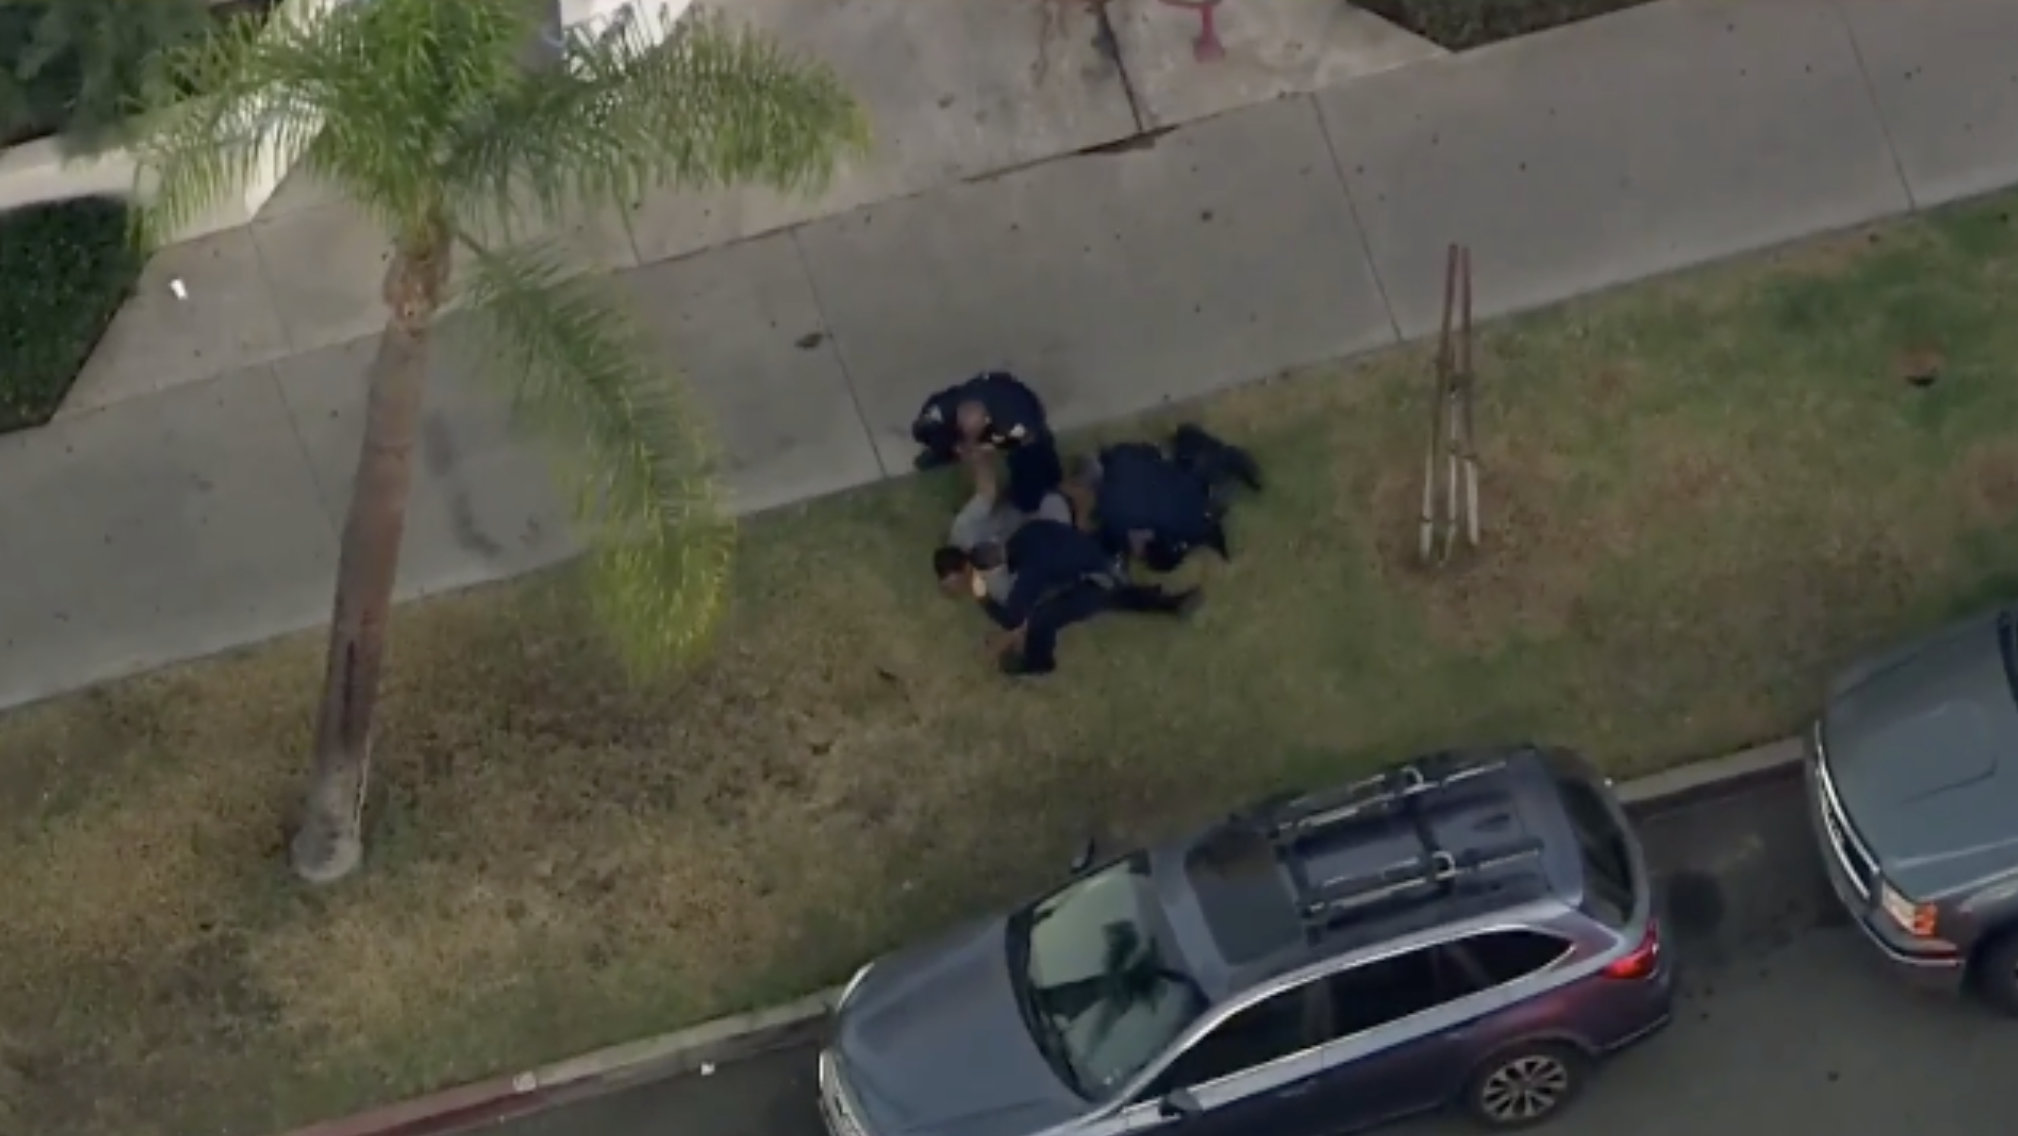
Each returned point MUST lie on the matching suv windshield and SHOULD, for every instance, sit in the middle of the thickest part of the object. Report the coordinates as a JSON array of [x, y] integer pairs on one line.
[[1101, 994]]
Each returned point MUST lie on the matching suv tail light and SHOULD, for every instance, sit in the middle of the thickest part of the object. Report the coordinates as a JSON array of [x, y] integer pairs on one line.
[[1643, 961]]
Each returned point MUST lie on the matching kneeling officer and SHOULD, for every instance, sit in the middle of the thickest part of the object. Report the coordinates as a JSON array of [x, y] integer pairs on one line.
[[992, 411], [1056, 576], [1159, 508]]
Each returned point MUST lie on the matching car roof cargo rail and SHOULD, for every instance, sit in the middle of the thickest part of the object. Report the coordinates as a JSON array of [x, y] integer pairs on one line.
[[1433, 875], [1378, 796]]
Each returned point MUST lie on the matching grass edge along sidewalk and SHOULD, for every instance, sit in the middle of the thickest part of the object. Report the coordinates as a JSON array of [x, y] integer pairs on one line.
[[739, 1037]]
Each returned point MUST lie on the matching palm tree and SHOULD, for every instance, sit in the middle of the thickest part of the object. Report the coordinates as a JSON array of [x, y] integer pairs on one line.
[[69, 67], [447, 125]]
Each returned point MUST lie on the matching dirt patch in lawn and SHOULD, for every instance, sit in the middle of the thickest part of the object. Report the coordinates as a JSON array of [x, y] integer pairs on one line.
[[1530, 571], [1700, 496], [1989, 476]]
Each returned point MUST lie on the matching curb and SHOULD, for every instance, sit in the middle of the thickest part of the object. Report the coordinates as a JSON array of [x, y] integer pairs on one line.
[[498, 1099], [743, 1036], [1700, 781]]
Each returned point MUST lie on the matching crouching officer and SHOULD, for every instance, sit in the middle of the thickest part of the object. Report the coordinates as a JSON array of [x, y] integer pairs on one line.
[[1054, 576], [1159, 508], [993, 411]]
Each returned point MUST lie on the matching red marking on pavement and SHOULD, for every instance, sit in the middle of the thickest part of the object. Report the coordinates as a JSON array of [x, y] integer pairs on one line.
[[1207, 48]]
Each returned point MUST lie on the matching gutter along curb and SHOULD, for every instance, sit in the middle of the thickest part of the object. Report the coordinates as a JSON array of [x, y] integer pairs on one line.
[[483, 1103]]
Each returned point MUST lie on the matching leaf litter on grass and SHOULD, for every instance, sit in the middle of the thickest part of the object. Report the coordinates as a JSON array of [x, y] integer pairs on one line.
[[1700, 494]]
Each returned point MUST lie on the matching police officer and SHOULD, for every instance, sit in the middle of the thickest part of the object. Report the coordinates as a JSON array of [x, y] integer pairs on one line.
[[1159, 508], [1055, 575], [1145, 507], [993, 411], [1217, 463]]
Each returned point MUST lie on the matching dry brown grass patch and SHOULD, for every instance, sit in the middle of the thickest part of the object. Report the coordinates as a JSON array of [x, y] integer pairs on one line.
[[1989, 480], [1530, 571]]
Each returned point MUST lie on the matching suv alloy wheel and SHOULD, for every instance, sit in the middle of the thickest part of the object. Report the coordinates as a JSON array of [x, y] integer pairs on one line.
[[1525, 1085]]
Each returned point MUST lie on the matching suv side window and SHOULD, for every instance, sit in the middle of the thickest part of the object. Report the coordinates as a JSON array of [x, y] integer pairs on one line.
[[1387, 990], [1286, 1023], [1499, 957]]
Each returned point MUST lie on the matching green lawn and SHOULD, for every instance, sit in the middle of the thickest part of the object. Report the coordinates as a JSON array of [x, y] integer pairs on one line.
[[1700, 494]]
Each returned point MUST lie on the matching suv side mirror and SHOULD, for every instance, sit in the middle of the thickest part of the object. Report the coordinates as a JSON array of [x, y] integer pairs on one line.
[[1180, 1105], [1083, 859]]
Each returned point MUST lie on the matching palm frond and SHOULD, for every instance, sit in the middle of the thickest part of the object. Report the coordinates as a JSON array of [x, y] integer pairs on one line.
[[251, 113], [626, 440], [368, 96], [397, 81], [706, 103]]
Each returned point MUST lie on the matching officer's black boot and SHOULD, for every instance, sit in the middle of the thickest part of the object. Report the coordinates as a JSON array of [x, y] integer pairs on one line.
[[1212, 460], [1164, 556], [1216, 541], [1244, 467]]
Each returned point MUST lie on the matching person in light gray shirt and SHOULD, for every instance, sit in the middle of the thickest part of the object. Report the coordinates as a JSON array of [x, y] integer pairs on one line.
[[988, 519]]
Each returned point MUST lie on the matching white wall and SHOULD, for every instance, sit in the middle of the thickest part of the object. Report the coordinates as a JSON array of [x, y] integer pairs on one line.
[[596, 14], [38, 171]]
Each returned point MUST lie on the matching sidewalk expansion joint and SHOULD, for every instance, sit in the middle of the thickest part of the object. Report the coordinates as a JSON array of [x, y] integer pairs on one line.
[[1877, 107], [1128, 144], [1108, 44]]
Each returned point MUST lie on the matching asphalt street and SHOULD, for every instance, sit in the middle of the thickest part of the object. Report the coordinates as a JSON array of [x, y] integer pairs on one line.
[[1786, 1022]]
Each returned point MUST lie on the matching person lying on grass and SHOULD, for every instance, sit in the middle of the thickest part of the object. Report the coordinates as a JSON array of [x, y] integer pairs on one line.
[[1056, 575], [989, 519]]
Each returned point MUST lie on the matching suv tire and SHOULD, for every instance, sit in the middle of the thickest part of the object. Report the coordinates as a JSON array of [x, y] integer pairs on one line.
[[1993, 973], [1525, 1084]]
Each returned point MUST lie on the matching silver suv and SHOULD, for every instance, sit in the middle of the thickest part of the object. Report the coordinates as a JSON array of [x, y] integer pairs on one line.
[[1467, 928]]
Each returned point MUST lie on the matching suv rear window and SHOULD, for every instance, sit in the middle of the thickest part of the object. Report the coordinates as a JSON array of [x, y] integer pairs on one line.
[[1608, 866]]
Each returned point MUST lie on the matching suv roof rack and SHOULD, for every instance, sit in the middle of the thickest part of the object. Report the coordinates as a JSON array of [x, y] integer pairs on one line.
[[1402, 791], [1381, 795], [1434, 874]]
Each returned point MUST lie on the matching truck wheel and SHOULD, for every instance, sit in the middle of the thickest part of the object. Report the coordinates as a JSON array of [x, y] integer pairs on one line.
[[1994, 973], [1525, 1084]]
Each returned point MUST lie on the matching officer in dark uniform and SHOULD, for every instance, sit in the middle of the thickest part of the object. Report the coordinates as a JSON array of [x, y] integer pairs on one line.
[[1145, 507], [1061, 576], [1218, 463], [993, 411], [1159, 508]]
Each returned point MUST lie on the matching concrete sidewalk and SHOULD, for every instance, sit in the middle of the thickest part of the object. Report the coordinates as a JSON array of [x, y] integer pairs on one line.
[[200, 516]]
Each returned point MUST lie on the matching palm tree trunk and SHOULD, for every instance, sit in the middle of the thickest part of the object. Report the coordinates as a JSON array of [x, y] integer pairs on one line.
[[330, 842]]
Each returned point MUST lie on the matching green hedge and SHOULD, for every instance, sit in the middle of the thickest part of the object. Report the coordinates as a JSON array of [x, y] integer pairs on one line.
[[65, 267], [73, 68], [1460, 25]]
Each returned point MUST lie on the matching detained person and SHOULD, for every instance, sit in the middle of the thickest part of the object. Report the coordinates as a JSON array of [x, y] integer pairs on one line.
[[1050, 575]]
